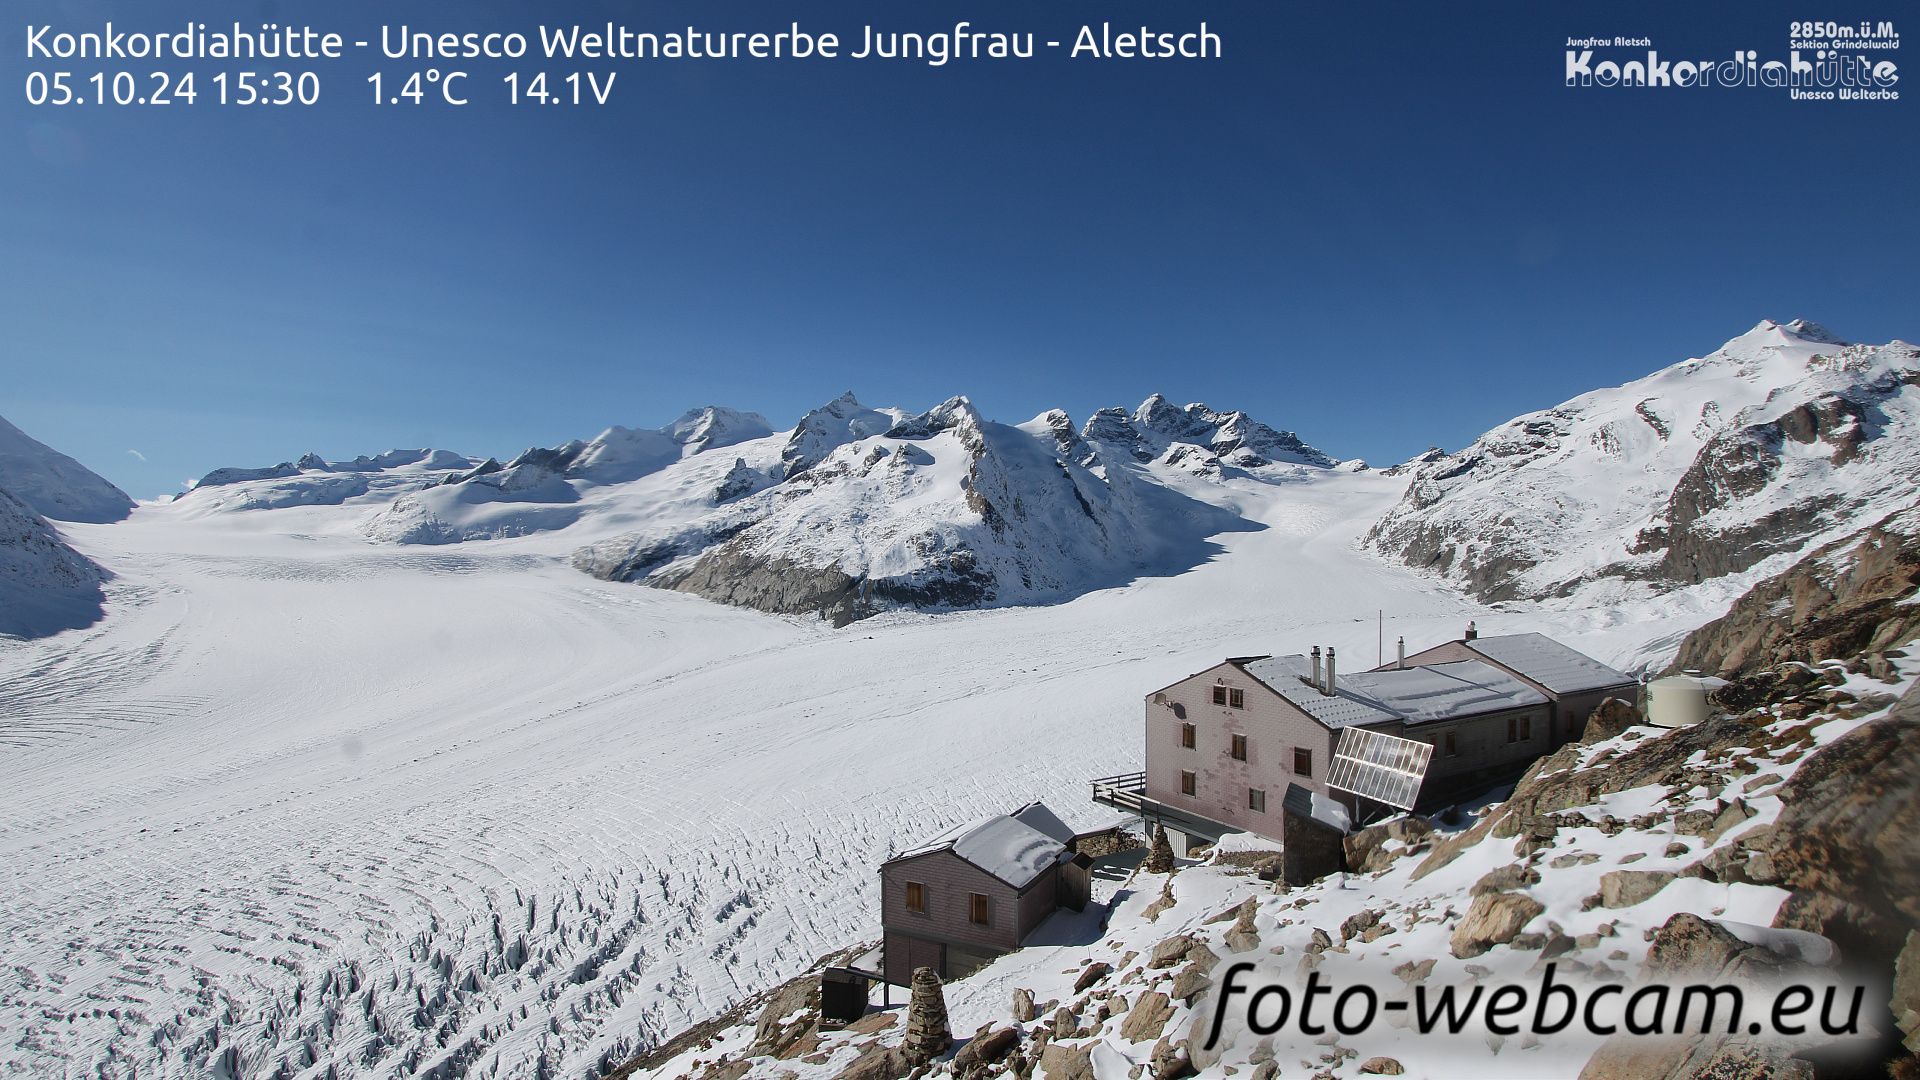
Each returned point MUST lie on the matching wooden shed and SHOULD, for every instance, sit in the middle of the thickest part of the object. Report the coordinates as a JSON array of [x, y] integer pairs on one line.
[[976, 892]]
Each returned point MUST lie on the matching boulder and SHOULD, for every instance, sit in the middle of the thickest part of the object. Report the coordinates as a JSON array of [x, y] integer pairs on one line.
[[1067, 1062], [877, 1062], [1091, 974], [1382, 1066], [1147, 1018], [1171, 951], [1506, 879], [1610, 720], [1625, 888], [1023, 1005], [1493, 919], [1191, 980], [984, 1050]]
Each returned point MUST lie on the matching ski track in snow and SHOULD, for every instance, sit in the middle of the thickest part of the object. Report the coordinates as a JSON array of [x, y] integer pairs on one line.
[[304, 806]]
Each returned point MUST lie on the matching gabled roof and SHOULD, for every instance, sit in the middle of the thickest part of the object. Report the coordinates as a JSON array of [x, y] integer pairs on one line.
[[1414, 695], [1015, 848], [1549, 663]]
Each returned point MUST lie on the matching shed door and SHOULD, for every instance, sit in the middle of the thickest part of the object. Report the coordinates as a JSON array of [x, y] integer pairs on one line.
[[922, 953]]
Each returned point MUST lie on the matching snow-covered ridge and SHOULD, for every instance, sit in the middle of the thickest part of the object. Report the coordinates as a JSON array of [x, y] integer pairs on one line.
[[53, 484], [1773, 442]]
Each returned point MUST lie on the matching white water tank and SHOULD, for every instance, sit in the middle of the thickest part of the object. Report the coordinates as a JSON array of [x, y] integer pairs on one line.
[[1681, 700]]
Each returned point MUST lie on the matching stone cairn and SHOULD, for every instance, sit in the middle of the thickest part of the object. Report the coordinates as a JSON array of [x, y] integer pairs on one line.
[[1160, 855], [927, 1034]]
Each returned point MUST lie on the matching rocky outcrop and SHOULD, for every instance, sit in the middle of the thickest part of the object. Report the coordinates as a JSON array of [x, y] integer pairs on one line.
[[1851, 597]]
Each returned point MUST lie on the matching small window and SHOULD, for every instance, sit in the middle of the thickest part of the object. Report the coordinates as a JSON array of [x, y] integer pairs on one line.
[[1219, 694], [1239, 747], [1526, 728], [981, 910], [1189, 736], [1236, 698], [1452, 746], [1256, 800], [916, 897], [1189, 783], [1302, 762], [1513, 729]]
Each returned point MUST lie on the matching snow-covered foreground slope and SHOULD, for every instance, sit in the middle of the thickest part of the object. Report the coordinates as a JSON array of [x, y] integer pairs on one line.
[[1782, 439], [45, 585], [304, 803]]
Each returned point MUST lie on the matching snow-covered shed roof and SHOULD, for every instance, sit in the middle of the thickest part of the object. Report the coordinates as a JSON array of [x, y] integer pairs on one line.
[[1415, 695], [1549, 663], [1321, 808], [1037, 816], [1008, 846]]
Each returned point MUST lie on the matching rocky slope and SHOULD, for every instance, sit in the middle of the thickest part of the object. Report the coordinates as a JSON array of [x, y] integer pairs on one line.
[[1780, 439], [1735, 851], [45, 585], [53, 484], [1855, 596]]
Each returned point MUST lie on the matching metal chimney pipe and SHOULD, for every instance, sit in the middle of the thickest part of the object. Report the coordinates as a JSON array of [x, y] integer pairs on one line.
[[1316, 667], [1472, 631], [1330, 682], [1401, 654]]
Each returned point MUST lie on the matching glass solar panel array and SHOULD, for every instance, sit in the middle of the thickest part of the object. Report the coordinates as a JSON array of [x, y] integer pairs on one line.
[[1384, 768]]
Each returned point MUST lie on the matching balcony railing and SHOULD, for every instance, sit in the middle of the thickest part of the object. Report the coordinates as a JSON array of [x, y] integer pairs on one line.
[[1125, 792]]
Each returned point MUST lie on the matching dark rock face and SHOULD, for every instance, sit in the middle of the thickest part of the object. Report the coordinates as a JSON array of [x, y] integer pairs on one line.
[[1844, 599]]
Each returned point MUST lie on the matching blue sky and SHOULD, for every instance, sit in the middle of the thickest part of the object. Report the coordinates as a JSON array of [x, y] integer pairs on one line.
[[1382, 225]]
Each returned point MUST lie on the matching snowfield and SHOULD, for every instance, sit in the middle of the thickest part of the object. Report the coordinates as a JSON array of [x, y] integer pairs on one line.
[[304, 804]]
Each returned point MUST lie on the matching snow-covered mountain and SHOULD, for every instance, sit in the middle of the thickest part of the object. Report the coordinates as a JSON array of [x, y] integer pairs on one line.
[[1158, 428], [1782, 438], [55, 485], [938, 510], [45, 585]]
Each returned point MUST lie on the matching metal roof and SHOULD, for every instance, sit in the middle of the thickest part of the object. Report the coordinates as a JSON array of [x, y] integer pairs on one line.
[[1415, 695], [1549, 663], [1008, 847]]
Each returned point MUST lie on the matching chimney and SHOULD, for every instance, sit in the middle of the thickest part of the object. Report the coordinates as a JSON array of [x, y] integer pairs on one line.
[[1330, 683], [1400, 651], [1316, 667], [1472, 632]]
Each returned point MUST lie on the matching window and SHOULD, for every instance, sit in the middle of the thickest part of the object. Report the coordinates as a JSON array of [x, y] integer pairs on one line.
[[1256, 800], [1519, 728], [1189, 783], [1526, 728], [1231, 697], [916, 897], [1302, 761], [1219, 694], [1452, 747], [1239, 747], [981, 910], [1189, 737]]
